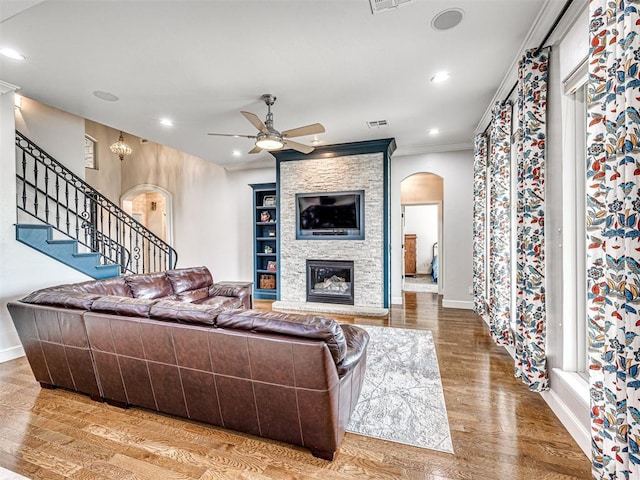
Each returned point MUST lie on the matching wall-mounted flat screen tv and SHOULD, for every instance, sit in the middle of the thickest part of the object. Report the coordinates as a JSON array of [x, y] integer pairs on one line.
[[336, 215]]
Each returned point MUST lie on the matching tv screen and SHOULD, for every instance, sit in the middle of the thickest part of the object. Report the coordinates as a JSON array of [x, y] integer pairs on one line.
[[336, 214]]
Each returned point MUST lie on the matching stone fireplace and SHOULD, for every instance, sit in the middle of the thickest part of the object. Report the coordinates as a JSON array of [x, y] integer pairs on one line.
[[330, 281], [363, 287]]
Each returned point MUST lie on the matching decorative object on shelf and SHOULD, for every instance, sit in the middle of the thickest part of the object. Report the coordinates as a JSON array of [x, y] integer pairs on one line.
[[269, 201], [120, 148], [268, 249], [271, 266], [271, 233], [265, 216], [267, 282]]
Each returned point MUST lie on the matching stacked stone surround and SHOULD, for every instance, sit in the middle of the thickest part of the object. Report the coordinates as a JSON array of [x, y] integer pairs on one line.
[[346, 173]]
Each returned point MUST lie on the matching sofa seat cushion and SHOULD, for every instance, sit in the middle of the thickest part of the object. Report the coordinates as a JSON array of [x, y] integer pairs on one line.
[[185, 279], [357, 340], [62, 298], [295, 325], [176, 310], [221, 303], [149, 285], [128, 306]]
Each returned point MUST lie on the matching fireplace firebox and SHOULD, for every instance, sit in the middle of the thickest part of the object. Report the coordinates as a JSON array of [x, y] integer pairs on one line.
[[330, 281]]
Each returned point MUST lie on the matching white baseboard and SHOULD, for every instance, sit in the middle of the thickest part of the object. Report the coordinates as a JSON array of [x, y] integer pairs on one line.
[[457, 304], [568, 395], [396, 300], [11, 353]]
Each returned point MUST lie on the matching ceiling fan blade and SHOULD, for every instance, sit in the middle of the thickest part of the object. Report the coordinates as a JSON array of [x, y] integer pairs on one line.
[[255, 150], [302, 131], [298, 146], [231, 135], [255, 121]]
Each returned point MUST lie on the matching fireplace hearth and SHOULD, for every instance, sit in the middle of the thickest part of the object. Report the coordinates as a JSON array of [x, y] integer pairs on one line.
[[330, 281]]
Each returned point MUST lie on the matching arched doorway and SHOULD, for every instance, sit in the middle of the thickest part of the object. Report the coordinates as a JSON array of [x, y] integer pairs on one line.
[[152, 206], [421, 198]]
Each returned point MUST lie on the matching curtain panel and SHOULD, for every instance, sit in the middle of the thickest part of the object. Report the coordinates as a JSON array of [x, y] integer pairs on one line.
[[530, 138], [613, 238], [479, 223], [500, 224]]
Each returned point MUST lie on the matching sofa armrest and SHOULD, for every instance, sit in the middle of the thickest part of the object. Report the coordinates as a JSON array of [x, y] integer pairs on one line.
[[357, 340], [223, 289]]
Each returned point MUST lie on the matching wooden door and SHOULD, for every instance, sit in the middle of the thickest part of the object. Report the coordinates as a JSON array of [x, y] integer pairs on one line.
[[409, 255]]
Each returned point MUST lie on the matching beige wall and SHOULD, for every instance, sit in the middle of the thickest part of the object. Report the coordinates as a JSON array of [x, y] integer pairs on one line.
[[421, 188], [106, 179]]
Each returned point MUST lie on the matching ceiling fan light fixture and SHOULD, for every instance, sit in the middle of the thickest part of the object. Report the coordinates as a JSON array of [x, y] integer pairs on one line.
[[269, 142]]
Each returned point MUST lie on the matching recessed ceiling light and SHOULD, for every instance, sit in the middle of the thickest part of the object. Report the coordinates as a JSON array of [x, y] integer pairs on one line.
[[166, 122], [434, 131], [440, 77], [11, 53], [236, 153], [106, 96], [447, 19]]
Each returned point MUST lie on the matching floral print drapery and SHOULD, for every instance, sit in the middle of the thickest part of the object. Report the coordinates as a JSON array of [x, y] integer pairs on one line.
[[530, 333], [613, 238], [500, 224], [479, 222]]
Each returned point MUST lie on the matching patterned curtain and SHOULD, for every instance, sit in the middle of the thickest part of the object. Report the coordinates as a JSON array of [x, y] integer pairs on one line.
[[530, 345], [613, 238], [500, 224], [479, 222]]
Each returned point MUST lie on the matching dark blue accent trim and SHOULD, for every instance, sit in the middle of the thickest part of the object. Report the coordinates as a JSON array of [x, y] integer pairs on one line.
[[386, 146]]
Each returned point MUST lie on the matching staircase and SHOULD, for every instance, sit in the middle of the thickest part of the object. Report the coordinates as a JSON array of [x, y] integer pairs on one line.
[[40, 237], [66, 206]]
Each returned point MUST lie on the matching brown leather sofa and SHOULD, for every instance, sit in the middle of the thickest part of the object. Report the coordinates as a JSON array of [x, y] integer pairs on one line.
[[178, 343]]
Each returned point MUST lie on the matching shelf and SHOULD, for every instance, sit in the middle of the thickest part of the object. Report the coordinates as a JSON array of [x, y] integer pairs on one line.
[[266, 290], [265, 223], [273, 272], [260, 254], [273, 207], [266, 238], [262, 239]]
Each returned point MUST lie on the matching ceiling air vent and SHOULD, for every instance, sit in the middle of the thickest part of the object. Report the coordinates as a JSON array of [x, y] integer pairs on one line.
[[377, 124], [378, 6]]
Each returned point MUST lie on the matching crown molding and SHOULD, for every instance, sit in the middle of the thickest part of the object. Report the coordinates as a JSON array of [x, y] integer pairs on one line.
[[541, 26], [421, 149], [7, 87]]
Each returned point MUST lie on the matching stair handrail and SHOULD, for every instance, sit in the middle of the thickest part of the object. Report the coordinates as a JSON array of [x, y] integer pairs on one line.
[[99, 200]]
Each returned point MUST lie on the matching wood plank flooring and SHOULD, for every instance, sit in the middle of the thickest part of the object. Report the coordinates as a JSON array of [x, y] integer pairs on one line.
[[499, 429]]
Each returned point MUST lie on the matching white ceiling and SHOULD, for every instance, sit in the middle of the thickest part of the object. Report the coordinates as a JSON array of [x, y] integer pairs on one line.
[[330, 61]]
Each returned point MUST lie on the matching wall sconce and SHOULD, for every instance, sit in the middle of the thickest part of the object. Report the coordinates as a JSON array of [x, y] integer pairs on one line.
[[154, 205], [17, 101]]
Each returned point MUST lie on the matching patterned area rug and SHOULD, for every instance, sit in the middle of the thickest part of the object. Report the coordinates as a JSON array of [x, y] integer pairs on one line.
[[9, 475], [402, 399]]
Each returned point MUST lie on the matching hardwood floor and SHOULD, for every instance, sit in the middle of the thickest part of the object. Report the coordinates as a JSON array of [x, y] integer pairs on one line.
[[500, 430]]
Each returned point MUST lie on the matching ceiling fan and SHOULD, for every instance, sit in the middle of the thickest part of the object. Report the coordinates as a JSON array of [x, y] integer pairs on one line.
[[268, 138]]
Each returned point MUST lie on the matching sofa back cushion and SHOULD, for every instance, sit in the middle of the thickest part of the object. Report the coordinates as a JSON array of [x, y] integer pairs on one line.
[[186, 279], [110, 286], [186, 312], [149, 285], [62, 298], [127, 306], [295, 325]]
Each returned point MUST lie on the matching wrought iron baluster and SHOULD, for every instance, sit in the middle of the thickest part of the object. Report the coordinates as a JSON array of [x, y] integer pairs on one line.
[[46, 193], [24, 179], [137, 253], [35, 182], [57, 201], [66, 203]]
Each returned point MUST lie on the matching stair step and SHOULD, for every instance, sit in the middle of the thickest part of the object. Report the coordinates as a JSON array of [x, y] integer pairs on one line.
[[39, 237]]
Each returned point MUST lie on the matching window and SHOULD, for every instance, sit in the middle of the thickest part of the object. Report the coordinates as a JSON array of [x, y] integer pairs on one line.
[[90, 151], [582, 358], [575, 352]]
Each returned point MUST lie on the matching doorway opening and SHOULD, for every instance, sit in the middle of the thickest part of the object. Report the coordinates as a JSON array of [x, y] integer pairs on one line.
[[421, 203], [152, 206]]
